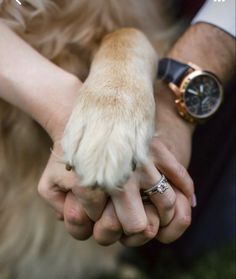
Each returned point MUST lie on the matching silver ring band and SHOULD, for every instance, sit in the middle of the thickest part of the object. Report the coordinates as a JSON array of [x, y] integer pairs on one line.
[[160, 187]]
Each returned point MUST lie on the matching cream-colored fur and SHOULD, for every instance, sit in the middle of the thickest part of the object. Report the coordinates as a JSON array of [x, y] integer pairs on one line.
[[113, 121], [33, 245]]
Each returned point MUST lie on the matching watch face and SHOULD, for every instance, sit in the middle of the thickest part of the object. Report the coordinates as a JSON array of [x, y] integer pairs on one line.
[[202, 95]]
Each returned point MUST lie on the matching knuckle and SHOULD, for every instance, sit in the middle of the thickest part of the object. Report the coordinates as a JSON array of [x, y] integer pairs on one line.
[[135, 228], [111, 225], [184, 222], [73, 217], [150, 232], [42, 190], [167, 204], [172, 198], [170, 201]]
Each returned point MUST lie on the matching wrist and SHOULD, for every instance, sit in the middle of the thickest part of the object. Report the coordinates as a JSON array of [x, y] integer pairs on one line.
[[34, 84], [172, 129], [60, 106], [167, 111], [193, 47]]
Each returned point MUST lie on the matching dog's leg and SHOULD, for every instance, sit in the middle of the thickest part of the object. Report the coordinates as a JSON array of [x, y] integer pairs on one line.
[[113, 121]]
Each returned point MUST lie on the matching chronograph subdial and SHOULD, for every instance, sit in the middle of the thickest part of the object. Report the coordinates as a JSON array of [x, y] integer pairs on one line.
[[202, 96]]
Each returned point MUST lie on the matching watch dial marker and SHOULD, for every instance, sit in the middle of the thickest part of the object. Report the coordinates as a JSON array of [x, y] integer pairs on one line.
[[192, 91], [201, 88]]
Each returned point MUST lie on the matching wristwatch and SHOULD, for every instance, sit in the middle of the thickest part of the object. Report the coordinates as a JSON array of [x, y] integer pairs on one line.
[[198, 93]]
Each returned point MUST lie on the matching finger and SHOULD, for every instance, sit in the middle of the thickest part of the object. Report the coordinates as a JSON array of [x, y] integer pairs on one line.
[[76, 220], [149, 233], [164, 202], [129, 207], [52, 194], [180, 222], [93, 200], [107, 230], [54, 183], [173, 170]]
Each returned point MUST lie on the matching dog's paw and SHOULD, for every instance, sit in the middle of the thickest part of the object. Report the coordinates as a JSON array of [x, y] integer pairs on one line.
[[111, 126], [107, 134]]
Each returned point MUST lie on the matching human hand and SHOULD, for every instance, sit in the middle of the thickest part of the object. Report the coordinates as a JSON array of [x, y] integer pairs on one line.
[[47, 93], [133, 222], [128, 219], [182, 183], [76, 205], [171, 154], [171, 150]]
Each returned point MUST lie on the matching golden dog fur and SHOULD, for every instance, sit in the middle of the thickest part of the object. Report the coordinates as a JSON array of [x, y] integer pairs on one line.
[[32, 243]]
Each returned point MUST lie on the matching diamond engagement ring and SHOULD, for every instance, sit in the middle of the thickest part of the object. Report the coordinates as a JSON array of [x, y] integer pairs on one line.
[[160, 187]]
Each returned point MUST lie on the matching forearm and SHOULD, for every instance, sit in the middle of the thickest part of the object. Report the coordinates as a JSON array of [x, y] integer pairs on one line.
[[209, 47], [30, 81], [212, 50]]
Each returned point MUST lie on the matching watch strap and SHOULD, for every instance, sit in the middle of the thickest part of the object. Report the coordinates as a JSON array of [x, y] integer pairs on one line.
[[171, 70]]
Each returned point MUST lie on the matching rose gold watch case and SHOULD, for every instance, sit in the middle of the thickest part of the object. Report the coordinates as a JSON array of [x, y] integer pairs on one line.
[[180, 91]]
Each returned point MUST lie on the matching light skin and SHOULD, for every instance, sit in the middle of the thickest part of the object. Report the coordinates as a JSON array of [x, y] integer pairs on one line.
[[50, 101], [173, 147], [171, 153]]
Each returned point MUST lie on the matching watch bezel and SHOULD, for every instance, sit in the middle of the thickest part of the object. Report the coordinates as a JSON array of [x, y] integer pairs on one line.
[[184, 85]]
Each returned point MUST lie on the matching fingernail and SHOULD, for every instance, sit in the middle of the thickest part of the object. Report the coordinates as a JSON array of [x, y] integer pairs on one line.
[[193, 200]]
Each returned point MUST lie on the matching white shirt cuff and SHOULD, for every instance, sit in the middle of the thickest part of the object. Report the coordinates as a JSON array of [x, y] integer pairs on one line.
[[220, 13]]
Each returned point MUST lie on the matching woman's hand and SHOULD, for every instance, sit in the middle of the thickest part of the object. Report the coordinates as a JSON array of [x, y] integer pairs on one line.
[[47, 93], [165, 217], [169, 214], [77, 206]]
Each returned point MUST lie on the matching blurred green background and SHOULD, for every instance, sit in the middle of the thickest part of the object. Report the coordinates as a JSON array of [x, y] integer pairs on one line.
[[220, 264], [215, 265]]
